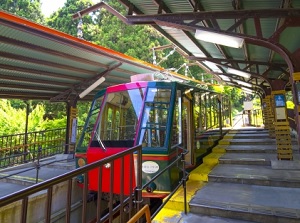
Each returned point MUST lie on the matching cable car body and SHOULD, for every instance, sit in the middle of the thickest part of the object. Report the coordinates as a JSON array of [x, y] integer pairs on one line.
[[162, 116]]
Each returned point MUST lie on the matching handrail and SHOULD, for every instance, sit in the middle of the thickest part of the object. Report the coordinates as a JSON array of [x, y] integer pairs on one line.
[[14, 149], [144, 211], [23, 195], [182, 182]]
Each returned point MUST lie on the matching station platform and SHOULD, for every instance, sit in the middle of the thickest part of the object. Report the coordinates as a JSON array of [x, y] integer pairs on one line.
[[240, 181], [19, 177]]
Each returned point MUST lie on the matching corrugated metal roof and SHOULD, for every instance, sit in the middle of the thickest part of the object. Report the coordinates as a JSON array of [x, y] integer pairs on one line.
[[37, 62], [270, 28]]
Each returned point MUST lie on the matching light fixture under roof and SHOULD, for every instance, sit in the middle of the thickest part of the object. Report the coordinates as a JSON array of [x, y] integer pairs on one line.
[[243, 83], [238, 72], [247, 90], [218, 38], [92, 87], [224, 78]]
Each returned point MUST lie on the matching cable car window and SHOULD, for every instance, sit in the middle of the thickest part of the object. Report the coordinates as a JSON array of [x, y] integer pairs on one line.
[[90, 122], [155, 117], [119, 116]]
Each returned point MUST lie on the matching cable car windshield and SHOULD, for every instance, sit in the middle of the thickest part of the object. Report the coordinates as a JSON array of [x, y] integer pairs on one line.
[[155, 117], [119, 115]]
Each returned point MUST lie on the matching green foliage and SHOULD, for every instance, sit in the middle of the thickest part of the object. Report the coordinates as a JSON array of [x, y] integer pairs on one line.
[[218, 88], [12, 120], [30, 9], [62, 19], [236, 97]]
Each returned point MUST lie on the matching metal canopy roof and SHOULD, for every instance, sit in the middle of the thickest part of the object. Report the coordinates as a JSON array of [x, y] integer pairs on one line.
[[270, 30], [37, 62]]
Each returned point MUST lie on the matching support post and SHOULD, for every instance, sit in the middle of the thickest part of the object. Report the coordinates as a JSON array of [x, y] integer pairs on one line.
[[282, 127], [71, 129], [25, 149]]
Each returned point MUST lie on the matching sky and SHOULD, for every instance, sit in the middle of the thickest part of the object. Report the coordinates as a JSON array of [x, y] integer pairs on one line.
[[49, 6]]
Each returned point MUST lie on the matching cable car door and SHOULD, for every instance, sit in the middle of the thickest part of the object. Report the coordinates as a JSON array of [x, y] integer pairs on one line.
[[188, 129]]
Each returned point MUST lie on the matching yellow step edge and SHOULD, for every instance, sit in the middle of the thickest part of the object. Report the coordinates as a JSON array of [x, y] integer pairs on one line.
[[175, 206], [201, 172], [212, 159], [219, 149], [228, 136], [174, 209], [224, 142]]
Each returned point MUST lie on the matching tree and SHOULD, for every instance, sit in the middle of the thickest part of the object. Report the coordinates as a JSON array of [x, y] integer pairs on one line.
[[105, 29], [62, 19], [30, 9]]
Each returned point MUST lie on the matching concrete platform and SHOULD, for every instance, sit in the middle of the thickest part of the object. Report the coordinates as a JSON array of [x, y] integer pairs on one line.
[[18, 177], [8, 188], [248, 202]]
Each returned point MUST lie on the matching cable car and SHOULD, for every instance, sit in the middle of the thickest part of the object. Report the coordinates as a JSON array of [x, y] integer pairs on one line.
[[162, 116]]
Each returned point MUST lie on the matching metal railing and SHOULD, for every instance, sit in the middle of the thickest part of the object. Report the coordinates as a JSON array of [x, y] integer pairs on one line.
[[125, 208], [179, 159], [144, 211], [22, 148]]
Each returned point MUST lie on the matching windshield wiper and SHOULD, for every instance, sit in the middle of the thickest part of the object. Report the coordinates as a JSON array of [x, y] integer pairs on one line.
[[99, 140]]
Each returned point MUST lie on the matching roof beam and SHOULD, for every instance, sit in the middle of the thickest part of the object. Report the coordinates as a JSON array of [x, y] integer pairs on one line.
[[72, 93], [211, 15], [226, 61]]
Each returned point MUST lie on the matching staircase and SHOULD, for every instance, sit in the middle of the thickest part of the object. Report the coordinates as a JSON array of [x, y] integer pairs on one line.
[[249, 184]]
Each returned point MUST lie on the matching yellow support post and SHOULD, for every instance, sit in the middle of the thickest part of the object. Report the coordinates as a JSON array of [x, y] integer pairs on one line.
[[282, 127], [269, 115]]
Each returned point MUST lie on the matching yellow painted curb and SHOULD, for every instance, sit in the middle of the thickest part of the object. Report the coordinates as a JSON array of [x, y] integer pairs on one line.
[[201, 172], [219, 149], [212, 159], [177, 200], [175, 206], [167, 216], [224, 142], [17, 177], [229, 136]]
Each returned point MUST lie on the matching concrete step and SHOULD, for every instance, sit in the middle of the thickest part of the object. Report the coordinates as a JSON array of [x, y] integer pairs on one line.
[[247, 158], [247, 202], [197, 218], [266, 159], [258, 148], [249, 130], [257, 175], [247, 135], [249, 141]]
